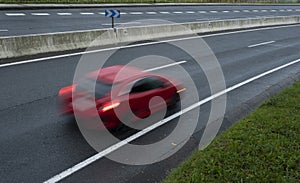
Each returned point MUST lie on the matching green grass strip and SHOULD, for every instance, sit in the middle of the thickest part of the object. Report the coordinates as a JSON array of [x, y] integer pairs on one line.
[[263, 147]]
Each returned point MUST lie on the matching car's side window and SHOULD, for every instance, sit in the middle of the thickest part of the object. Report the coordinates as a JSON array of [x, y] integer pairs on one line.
[[146, 84]]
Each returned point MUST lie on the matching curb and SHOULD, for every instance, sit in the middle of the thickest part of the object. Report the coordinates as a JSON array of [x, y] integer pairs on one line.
[[18, 46]]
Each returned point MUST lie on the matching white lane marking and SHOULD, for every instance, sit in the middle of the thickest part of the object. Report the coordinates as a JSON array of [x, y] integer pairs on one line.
[[236, 11], [226, 11], [86, 13], [126, 23], [164, 12], [297, 9], [101, 13], [164, 66], [123, 13], [264, 10], [142, 44], [246, 11], [3, 30], [213, 11], [273, 10], [260, 44], [177, 12], [289, 10], [254, 10], [40, 14], [135, 13], [15, 14], [281, 10], [202, 11], [64, 14], [120, 144], [189, 12], [151, 13]]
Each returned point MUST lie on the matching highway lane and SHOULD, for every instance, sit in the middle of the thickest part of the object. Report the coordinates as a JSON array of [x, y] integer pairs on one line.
[[37, 143], [20, 22]]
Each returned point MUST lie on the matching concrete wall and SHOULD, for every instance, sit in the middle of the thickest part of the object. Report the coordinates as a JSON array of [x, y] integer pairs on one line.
[[17, 46]]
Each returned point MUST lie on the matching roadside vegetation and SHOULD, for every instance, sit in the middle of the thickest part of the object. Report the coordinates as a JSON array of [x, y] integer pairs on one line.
[[140, 1], [263, 147]]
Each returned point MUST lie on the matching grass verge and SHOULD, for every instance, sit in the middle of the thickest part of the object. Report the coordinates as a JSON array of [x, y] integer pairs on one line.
[[263, 147]]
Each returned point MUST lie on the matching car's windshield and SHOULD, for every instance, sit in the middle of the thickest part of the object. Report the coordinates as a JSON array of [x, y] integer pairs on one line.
[[101, 88]]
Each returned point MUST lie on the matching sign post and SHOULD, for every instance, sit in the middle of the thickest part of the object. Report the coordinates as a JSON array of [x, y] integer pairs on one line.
[[113, 14]]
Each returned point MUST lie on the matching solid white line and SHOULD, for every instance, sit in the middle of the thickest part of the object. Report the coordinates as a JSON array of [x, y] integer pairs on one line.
[[120, 144], [64, 14], [164, 66], [40, 14], [86, 13], [126, 23], [142, 44], [135, 13], [15, 14], [260, 44]]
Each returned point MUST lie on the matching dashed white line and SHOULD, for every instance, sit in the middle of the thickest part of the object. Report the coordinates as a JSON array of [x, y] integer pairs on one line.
[[281, 10], [136, 13], [189, 12], [236, 11], [123, 13], [151, 13], [64, 14], [273, 10], [137, 135], [101, 13], [164, 12], [164, 66], [3, 30], [86, 13], [202, 11], [246, 11], [225, 11], [15, 14], [177, 12], [254, 10], [260, 44], [297, 10], [213, 11], [40, 14], [264, 10], [289, 10]]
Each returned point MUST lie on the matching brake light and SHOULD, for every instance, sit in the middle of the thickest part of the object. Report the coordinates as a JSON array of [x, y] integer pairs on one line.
[[67, 89], [110, 105]]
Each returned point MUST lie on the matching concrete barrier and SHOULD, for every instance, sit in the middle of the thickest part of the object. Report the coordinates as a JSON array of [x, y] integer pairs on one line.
[[16, 46]]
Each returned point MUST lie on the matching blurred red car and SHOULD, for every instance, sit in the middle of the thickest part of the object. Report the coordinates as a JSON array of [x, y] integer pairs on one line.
[[131, 85]]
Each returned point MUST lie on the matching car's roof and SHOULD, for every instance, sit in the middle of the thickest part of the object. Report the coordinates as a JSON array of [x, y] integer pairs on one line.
[[116, 73]]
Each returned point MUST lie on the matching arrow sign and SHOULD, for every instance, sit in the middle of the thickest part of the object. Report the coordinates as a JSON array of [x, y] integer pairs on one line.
[[113, 13]]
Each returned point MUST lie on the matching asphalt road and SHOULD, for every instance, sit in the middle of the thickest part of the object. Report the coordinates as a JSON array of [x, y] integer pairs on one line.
[[22, 22], [37, 143]]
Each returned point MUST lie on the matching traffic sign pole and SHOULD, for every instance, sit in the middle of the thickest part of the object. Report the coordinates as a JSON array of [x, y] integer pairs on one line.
[[112, 22]]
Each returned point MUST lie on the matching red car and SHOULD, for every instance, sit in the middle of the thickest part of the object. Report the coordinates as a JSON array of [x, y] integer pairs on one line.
[[132, 86]]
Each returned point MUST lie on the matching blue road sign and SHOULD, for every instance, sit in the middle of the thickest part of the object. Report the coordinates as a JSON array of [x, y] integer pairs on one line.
[[113, 13]]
